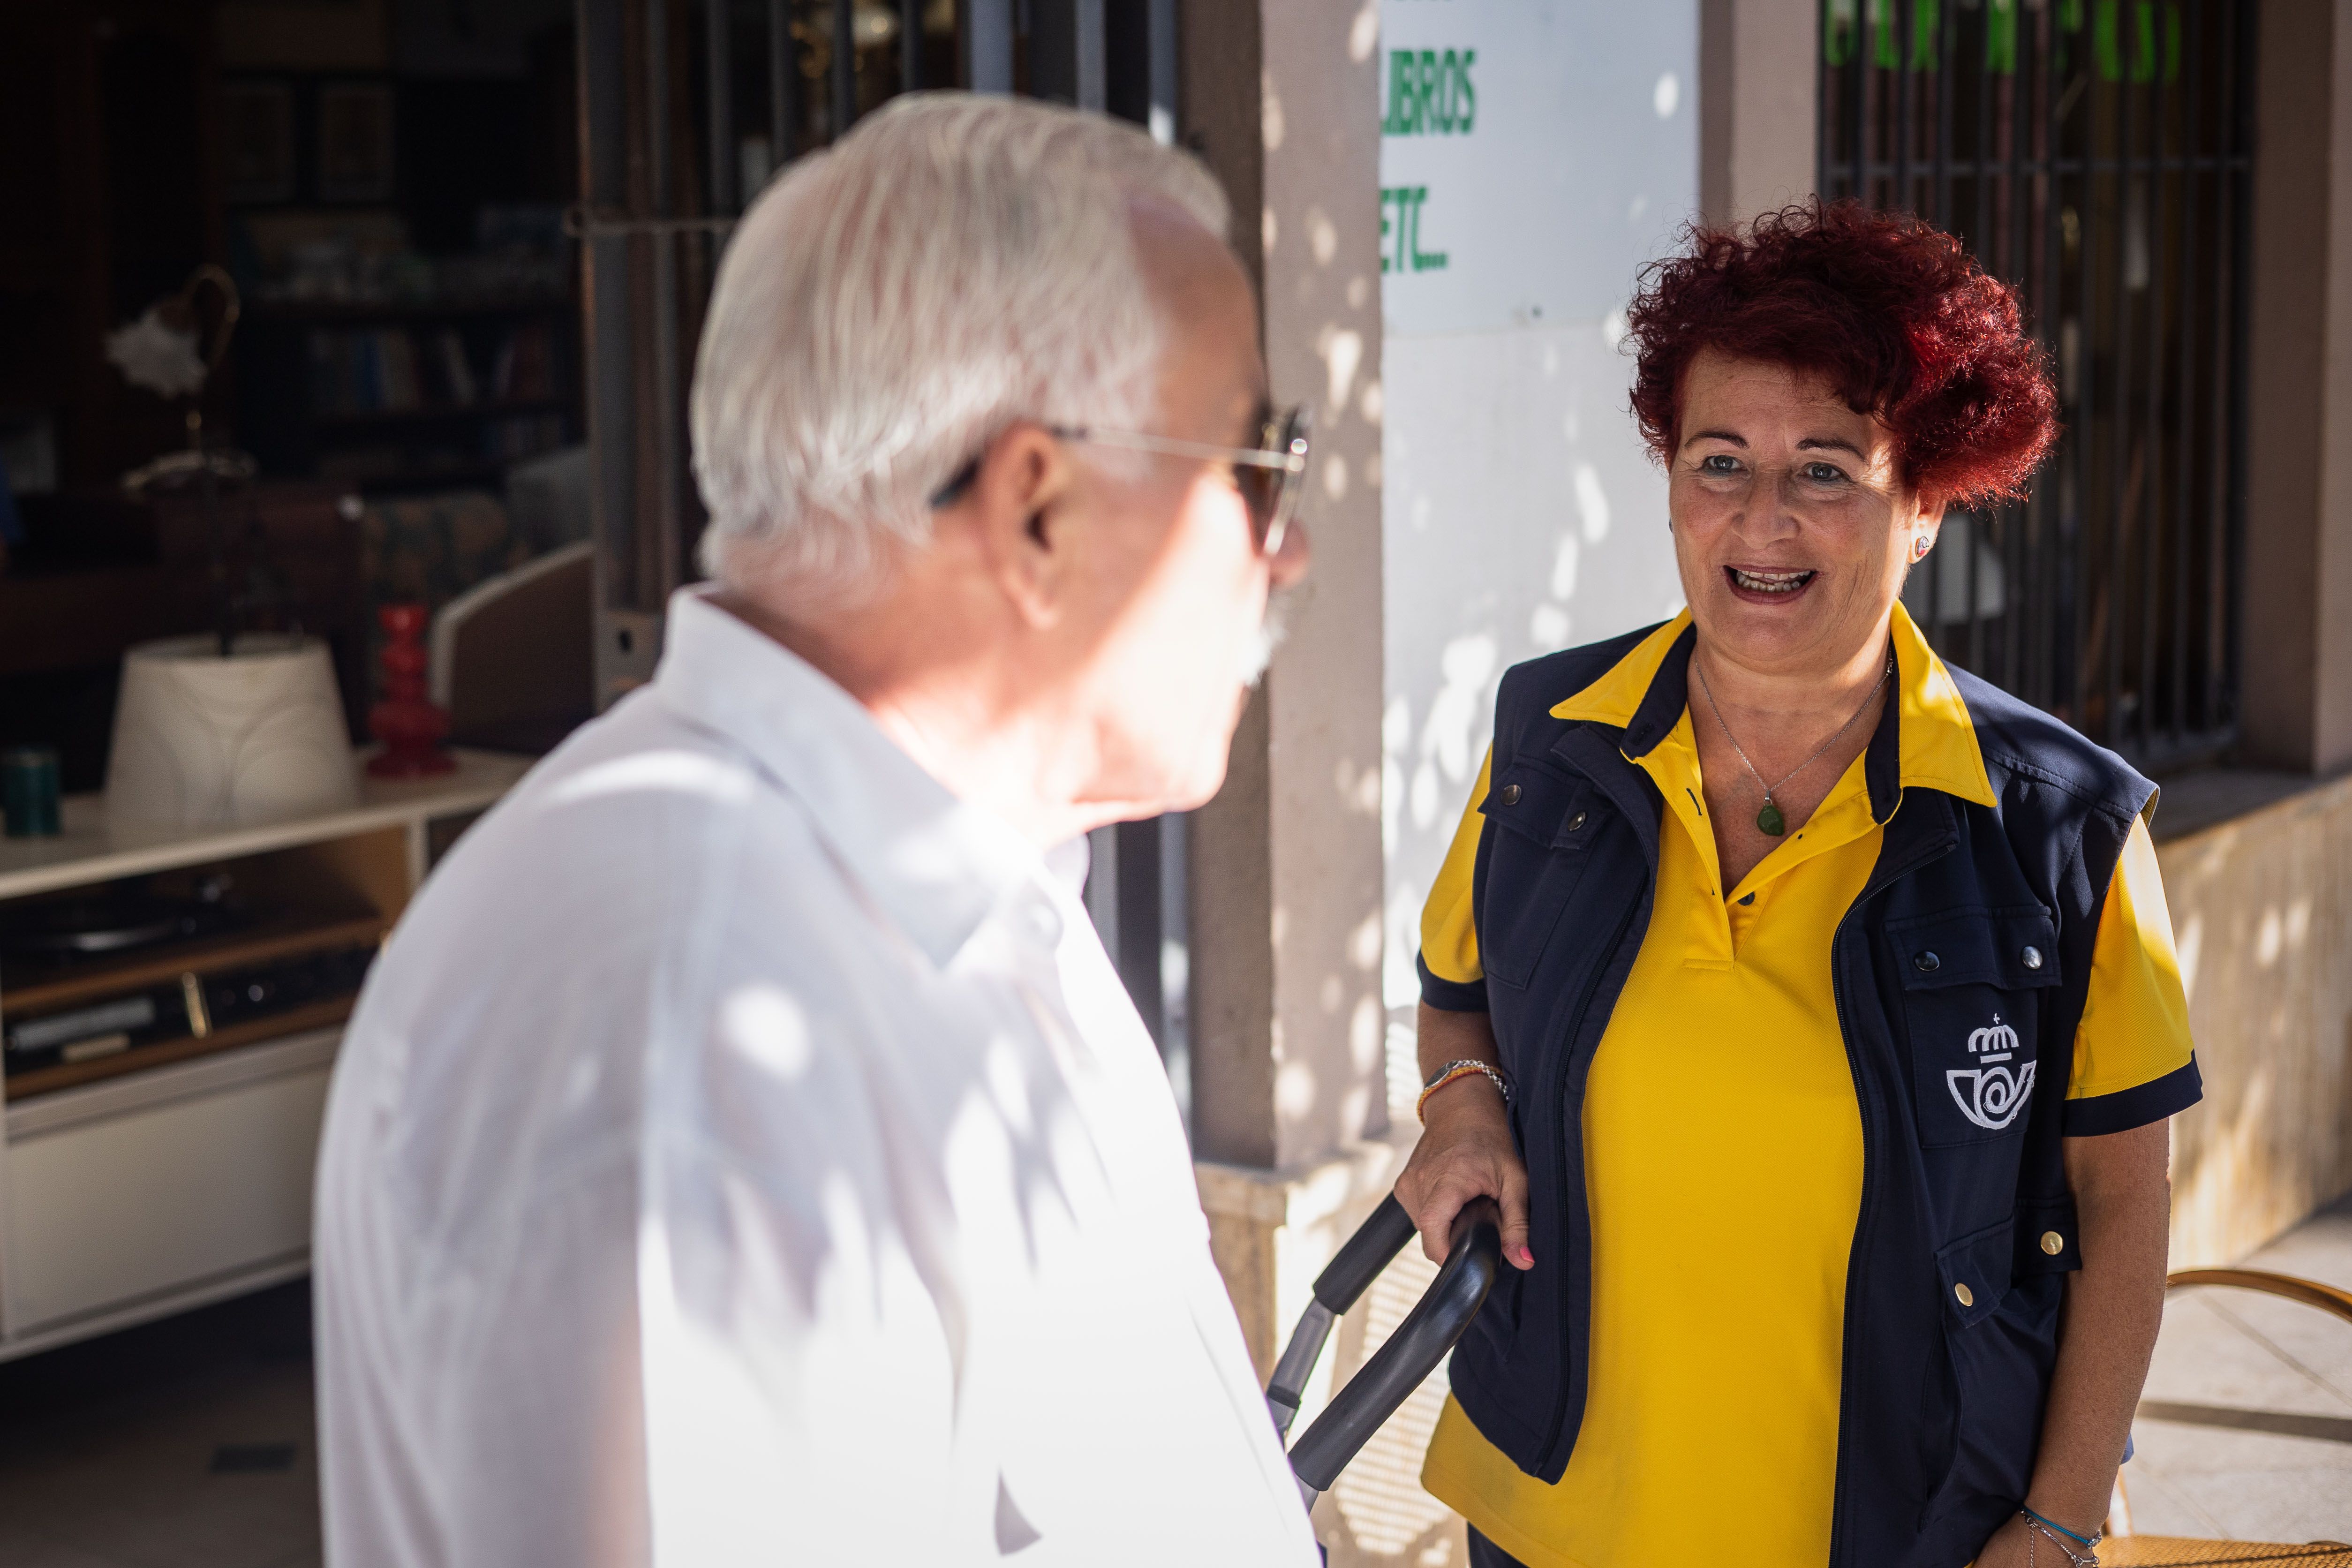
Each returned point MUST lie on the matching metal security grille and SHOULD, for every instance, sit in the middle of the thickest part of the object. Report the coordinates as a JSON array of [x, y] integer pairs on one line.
[[2095, 154]]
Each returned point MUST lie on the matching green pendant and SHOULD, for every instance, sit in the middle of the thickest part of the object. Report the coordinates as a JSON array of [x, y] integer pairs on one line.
[[1770, 820]]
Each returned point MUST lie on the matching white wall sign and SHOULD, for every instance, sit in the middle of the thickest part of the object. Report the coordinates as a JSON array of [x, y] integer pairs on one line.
[[1534, 154]]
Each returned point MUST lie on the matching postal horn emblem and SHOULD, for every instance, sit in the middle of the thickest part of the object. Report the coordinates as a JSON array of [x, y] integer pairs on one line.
[[1990, 1093]]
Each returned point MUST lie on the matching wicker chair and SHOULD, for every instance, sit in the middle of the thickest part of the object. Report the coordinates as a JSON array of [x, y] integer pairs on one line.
[[2125, 1550]]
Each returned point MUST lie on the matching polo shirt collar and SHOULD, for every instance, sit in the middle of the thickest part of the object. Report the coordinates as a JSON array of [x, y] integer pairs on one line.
[[1925, 738], [938, 867]]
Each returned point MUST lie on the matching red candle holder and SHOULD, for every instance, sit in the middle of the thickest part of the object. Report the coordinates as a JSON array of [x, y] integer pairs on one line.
[[410, 724]]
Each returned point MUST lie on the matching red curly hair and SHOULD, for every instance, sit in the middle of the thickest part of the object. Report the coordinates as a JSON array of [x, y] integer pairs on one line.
[[1903, 322]]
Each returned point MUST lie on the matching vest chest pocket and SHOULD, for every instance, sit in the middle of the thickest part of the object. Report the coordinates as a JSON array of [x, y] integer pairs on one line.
[[1543, 821], [1973, 983]]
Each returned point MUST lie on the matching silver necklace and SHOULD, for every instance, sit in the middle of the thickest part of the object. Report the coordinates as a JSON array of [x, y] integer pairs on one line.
[[1770, 820]]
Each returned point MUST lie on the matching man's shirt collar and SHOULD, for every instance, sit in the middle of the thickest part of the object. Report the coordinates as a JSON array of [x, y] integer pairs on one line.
[[937, 866], [1925, 739]]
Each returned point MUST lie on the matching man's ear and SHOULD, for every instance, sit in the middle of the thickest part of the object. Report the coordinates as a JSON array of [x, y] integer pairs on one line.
[[1014, 509]]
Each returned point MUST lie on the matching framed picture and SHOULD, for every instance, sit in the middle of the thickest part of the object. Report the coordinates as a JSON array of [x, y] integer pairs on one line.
[[258, 141], [356, 141]]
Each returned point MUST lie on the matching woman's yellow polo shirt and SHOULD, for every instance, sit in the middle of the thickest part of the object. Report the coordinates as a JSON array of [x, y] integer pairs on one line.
[[1723, 1158]]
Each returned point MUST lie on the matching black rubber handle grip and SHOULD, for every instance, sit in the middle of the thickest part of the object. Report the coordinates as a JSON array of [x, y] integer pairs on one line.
[[1385, 1382], [1375, 1244]]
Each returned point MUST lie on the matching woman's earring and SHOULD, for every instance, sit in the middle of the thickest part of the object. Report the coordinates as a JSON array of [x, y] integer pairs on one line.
[[1919, 548]]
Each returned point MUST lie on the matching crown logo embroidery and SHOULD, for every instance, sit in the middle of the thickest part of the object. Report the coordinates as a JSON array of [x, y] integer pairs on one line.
[[1989, 1094]]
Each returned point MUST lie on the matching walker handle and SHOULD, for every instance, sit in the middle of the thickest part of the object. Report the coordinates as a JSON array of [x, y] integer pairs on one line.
[[1473, 1263]]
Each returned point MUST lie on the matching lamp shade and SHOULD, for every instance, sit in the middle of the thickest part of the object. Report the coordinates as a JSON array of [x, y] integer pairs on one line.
[[201, 740]]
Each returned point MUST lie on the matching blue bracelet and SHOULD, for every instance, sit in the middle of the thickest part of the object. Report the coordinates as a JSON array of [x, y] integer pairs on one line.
[[2054, 1524]]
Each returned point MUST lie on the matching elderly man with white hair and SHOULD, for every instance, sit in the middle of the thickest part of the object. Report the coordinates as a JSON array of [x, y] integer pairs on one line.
[[745, 1151]]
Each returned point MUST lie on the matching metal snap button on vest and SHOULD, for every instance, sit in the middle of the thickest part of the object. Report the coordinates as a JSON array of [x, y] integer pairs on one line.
[[1928, 962], [2031, 958], [1509, 794], [1967, 1297], [1576, 822], [2053, 1243]]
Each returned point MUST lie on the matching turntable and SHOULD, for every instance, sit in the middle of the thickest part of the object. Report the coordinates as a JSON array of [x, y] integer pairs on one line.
[[118, 918]]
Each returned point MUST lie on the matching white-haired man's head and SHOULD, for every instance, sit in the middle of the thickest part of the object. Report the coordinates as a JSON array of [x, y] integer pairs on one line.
[[955, 263], [971, 419]]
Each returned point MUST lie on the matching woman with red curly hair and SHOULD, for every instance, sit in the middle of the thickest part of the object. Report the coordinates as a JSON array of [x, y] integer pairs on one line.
[[1807, 1006]]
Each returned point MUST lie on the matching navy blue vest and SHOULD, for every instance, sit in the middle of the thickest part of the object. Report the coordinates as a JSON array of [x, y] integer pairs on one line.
[[1941, 1401]]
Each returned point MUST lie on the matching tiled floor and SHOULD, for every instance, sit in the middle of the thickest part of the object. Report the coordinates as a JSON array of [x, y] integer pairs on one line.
[[184, 1443], [188, 1444], [2246, 1430]]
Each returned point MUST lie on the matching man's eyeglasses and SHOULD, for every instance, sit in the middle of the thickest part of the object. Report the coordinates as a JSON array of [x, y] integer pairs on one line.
[[1271, 476]]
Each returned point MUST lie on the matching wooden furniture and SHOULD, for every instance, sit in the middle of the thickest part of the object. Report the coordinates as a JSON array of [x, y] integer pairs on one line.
[[178, 1172], [2125, 1550]]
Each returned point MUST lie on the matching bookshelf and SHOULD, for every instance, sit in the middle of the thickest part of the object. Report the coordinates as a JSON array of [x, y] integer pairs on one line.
[[389, 396]]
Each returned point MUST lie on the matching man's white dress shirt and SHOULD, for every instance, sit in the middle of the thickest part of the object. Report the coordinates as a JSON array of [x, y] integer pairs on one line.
[[744, 1152]]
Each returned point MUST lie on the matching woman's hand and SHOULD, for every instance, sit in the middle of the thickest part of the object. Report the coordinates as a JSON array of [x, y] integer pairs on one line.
[[1466, 1150]]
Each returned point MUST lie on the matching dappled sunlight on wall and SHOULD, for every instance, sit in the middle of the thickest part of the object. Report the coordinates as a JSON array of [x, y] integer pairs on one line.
[[2262, 910]]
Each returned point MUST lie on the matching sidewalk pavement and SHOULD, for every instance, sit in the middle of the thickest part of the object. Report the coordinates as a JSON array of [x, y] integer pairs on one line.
[[2245, 1429]]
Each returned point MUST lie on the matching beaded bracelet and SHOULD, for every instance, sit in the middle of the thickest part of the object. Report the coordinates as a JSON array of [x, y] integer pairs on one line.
[[2059, 1535], [1453, 1070]]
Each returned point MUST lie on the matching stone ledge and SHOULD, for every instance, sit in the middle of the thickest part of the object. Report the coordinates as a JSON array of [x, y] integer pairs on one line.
[[1306, 1195], [2198, 802]]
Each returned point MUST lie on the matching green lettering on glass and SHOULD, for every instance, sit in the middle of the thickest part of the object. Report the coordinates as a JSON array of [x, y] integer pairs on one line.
[[2105, 24], [2171, 43], [1923, 28], [1882, 26], [2069, 15], [1431, 93], [2000, 37], [1405, 255], [1423, 260], [1837, 32]]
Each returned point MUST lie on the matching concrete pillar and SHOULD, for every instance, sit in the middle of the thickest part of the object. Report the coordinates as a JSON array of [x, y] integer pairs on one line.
[[1759, 91], [1289, 1097], [1283, 101], [2296, 676]]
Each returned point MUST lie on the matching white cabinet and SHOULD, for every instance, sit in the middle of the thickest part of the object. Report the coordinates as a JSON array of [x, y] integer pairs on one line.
[[180, 1173]]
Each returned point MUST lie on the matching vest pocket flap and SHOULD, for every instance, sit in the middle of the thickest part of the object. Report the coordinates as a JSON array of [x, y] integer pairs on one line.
[[1975, 1271], [2048, 1241], [1553, 811], [2013, 949]]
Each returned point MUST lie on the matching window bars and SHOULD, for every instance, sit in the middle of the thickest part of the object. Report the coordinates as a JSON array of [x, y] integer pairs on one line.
[[2095, 154]]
